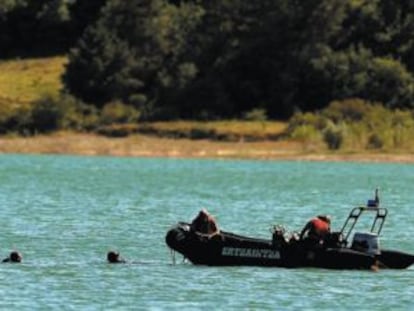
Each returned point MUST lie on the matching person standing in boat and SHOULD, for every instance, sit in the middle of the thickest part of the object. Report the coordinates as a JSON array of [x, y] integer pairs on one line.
[[205, 224], [317, 228]]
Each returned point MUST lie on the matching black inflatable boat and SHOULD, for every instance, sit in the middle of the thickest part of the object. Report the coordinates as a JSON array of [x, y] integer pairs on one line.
[[334, 252]]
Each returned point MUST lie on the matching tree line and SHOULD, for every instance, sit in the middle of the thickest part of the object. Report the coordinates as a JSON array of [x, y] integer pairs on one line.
[[214, 59]]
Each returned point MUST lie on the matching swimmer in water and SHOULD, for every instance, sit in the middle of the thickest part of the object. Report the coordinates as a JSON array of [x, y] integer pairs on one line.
[[114, 257], [14, 256]]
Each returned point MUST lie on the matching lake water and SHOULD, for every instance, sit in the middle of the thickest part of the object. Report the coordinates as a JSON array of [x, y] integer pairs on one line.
[[63, 213]]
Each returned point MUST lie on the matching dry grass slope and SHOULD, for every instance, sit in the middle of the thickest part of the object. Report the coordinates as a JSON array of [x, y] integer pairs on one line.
[[27, 80], [147, 146], [257, 129]]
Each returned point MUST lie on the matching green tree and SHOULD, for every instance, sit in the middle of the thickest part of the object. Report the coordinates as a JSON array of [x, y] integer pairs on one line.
[[206, 49], [256, 54], [30, 28], [223, 58], [84, 13], [358, 73], [132, 53], [99, 68], [383, 26], [8, 5]]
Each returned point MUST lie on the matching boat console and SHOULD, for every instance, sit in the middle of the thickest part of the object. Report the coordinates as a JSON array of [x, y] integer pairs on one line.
[[366, 242]]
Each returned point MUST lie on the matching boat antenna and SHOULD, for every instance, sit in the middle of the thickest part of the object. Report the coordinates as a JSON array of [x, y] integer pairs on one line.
[[376, 197]]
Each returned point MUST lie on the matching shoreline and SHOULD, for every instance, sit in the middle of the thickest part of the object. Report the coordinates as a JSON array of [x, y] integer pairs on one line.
[[68, 143]]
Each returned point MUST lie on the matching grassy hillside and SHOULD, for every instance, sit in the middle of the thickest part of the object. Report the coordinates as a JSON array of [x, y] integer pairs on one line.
[[28, 80]]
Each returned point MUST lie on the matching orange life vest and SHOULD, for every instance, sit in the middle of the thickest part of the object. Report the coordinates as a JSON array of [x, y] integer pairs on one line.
[[319, 226]]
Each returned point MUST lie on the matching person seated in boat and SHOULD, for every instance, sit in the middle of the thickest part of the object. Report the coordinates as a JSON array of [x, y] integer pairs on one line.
[[279, 237], [14, 256], [317, 228], [114, 257], [205, 224]]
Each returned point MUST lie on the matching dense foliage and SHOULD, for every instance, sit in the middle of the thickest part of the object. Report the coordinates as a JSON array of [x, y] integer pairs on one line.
[[214, 59], [43, 27], [354, 124]]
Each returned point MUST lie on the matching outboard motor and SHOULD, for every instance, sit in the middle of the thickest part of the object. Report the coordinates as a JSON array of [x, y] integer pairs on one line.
[[366, 242]]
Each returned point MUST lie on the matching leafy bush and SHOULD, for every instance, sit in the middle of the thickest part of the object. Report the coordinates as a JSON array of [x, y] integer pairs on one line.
[[333, 136], [314, 120], [375, 141], [355, 136], [76, 114], [45, 115], [347, 110], [355, 124], [257, 114], [117, 112], [358, 73], [305, 133], [391, 83], [403, 124], [15, 117]]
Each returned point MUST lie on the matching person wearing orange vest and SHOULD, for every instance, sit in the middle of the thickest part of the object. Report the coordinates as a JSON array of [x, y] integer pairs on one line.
[[317, 228]]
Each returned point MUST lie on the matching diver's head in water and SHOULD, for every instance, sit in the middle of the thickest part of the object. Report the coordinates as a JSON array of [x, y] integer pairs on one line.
[[114, 257], [14, 256]]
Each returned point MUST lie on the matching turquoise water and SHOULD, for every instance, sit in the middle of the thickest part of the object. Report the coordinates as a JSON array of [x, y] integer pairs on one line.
[[64, 213]]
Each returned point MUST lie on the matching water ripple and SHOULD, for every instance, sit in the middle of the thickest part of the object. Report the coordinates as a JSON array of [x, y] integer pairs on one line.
[[64, 213]]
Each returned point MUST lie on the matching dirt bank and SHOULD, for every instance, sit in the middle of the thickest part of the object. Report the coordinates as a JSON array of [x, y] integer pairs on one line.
[[147, 146]]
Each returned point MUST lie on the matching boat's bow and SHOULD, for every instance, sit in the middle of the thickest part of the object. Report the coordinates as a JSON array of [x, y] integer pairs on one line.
[[177, 237]]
